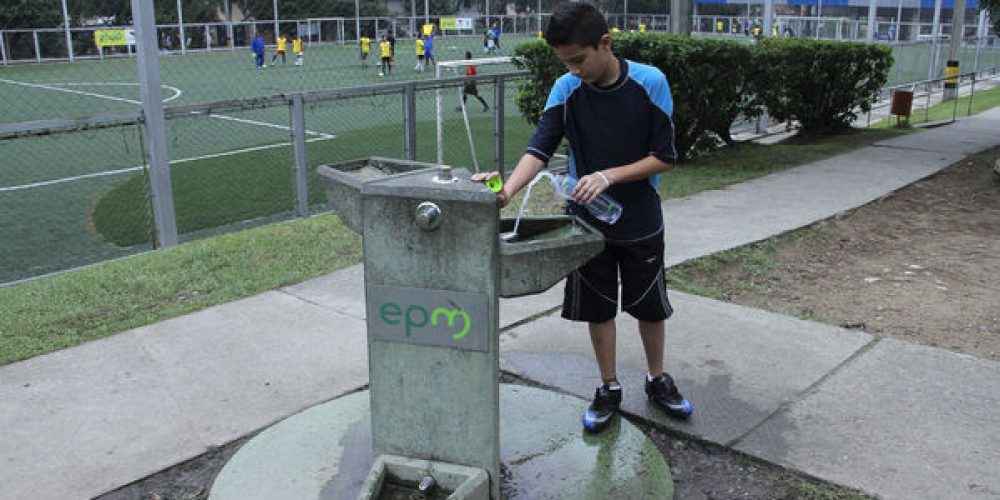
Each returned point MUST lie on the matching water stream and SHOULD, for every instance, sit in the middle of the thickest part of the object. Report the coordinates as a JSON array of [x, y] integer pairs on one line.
[[524, 203]]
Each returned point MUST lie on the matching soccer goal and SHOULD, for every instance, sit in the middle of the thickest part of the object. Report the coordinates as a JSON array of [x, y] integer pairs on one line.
[[455, 68]]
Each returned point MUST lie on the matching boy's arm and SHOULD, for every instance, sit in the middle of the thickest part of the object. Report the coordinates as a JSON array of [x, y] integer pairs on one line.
[[525, 170], [591, 185]]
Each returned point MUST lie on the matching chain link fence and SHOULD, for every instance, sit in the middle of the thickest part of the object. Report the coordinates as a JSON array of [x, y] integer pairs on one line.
[[74, 192]]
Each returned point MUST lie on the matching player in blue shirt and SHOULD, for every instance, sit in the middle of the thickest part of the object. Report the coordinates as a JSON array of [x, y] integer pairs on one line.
[[258, 48], [616, 117]]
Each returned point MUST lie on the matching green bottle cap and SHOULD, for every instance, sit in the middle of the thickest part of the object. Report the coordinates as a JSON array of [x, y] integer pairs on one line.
[[495, 184]]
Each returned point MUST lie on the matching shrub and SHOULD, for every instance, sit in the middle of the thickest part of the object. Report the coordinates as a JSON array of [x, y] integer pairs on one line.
[[822, 84]]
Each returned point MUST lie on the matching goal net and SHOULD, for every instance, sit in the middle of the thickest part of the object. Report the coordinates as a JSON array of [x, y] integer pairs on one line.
[[447, 69]]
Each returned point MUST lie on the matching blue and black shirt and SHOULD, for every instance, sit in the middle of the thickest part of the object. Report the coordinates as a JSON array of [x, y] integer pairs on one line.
[[610, 127]]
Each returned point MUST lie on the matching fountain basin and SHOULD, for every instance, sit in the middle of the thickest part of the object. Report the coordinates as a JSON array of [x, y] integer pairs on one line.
[[543, 251], [342, 182]]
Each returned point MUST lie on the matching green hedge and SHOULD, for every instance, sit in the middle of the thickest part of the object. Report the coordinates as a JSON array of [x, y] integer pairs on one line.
[[823, 85], [715, 82]]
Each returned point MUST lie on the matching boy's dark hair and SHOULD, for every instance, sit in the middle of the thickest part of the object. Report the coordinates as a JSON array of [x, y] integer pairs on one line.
[[468, 55], [576, 23]]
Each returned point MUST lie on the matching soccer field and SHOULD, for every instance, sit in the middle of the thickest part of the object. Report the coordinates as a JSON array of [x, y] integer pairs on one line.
[[74, 198]]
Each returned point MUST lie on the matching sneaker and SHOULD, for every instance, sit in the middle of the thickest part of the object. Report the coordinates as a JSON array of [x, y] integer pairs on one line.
[[662, 391], [605, 406]]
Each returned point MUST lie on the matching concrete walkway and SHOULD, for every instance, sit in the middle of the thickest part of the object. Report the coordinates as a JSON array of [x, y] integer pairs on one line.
[[894, 419]]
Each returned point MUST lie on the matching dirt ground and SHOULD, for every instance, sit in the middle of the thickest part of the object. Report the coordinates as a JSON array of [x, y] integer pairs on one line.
[[921, 265]]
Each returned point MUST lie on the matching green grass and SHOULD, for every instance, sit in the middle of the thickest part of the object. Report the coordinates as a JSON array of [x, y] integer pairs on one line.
[[747, 161], [213, 192], [71, 308], [982, 100]]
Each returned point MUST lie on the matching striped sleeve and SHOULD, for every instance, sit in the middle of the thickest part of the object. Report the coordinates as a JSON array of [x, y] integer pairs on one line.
[[551, 126], [661, 123]]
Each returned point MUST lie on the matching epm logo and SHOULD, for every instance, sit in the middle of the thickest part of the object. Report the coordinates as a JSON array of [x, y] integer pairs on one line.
[[429, 317]]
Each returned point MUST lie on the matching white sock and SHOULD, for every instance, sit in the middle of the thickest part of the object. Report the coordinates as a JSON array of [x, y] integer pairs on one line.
[[649, 378]]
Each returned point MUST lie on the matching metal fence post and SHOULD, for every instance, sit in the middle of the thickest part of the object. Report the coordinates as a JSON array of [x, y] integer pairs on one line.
[[301, 168], [69, 37], [154, 123], [498, 124], [410, 121], [3, 47]]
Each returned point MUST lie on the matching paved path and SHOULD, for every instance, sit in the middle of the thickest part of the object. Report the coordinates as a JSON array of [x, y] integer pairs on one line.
[[892, 418]]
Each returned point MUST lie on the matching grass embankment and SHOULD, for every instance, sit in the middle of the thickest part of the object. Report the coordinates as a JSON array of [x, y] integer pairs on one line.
[[86, 304], [71, 308], [982, 100]]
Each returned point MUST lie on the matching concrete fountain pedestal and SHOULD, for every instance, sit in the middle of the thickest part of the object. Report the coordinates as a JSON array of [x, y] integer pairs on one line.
[[325, 453]]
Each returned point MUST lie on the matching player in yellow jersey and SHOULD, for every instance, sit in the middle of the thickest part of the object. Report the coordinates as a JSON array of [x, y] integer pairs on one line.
[[279, 49], [366, 46], [419, 48], [297, 49], [385, 51]]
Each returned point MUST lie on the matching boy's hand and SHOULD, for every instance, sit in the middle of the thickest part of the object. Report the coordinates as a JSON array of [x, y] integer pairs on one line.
[[590, 186], [502, 196]]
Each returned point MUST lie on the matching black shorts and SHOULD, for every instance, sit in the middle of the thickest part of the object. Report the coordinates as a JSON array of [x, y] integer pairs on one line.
[[592, 289], [471, 89]]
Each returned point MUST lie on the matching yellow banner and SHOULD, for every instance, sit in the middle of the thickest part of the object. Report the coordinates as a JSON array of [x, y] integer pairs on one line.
[[449, 23], [110, 38]]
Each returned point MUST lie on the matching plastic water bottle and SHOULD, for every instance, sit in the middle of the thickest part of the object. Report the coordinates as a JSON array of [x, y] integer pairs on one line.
[[604, 207]]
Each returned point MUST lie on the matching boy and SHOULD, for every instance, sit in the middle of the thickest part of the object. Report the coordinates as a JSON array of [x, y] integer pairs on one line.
[[470, 87], [279, 49], [419, 48], [385, 51], [365, 43], [429, 49], [297, 49], [616, 116], [258, 47]]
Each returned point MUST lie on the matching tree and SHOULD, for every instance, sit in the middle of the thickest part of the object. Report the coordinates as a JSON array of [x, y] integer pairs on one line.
[[30, 14], [994, 7]]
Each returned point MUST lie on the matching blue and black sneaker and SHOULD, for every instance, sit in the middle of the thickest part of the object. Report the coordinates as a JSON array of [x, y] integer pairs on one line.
[[663, 392], [606, 402]]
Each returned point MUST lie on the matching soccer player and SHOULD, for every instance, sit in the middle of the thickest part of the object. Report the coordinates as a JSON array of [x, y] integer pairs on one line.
[[470, 87], [616, 117], [366, 44], [279, 49], [385, 51], [297, 49], [258, 48], [419, 49], [429, 49]]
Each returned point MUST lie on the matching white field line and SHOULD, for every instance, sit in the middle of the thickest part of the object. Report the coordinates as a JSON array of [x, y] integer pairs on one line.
[[177, 93], [21, 187]]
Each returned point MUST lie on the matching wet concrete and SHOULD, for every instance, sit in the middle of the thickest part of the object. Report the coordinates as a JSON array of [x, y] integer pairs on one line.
[[325, 452]]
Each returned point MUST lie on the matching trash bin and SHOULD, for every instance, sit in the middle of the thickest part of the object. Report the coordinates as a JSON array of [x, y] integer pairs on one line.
[[901, 105]]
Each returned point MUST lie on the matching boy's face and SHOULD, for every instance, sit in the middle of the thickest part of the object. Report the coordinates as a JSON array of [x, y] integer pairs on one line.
[[595, 66]]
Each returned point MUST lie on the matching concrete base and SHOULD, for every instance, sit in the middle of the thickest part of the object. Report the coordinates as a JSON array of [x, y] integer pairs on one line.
[[325, 453]]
